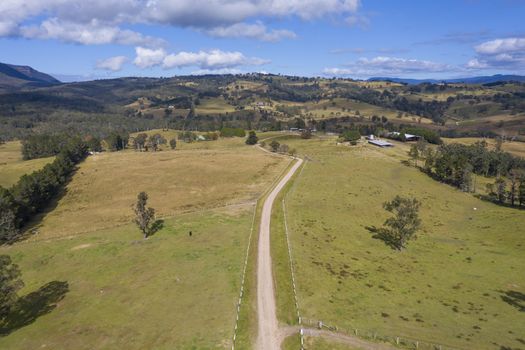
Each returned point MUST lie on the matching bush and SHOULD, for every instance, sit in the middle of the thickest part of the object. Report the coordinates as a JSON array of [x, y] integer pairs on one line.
[[274, 145], [350, 135], [252, 138]]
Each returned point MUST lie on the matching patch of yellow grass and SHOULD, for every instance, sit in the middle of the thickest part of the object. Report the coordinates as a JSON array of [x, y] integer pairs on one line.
[[104, 188]]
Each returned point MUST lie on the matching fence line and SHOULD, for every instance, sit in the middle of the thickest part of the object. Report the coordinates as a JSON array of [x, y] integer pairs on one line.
[[290, 259], [243, 276], [406, 342]]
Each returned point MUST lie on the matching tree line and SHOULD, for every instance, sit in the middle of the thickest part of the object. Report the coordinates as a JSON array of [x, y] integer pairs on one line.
[[456, 164], [33, 192]]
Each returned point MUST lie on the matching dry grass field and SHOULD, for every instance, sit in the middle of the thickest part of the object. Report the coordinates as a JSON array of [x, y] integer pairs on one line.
[[93, 282], [105, 186], [12, 167]]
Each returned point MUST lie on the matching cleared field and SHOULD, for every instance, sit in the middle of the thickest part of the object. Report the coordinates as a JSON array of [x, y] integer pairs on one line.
[[12, 167], [326, 109], [111, 289], [213, 106], [105, 186], [514, 147], [459, 284]]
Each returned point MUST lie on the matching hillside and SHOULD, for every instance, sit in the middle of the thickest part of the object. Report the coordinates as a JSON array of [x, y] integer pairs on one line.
[[261, 101], [13, 76]]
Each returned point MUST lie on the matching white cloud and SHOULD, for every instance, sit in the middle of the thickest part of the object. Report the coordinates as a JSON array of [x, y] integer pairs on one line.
[[113, 63], [206, 61], [100, 21], [402, 65], [476, 64], [254, 31], [388, 66], [221, 71], [502, 54], [501, 45], [214, 59], [148, 57], [213, 13], [92, 33]]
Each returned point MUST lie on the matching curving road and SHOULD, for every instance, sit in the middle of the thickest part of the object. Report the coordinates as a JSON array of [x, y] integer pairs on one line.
[[269, 337]]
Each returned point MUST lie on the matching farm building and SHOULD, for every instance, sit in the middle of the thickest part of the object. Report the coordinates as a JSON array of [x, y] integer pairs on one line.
[[380, 143], [408, 137]]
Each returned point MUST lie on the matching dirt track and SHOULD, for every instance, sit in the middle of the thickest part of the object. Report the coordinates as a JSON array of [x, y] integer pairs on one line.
[[269, 337]]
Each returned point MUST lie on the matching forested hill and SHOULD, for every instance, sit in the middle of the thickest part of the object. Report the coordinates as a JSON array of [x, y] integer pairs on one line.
[[13, 76], [261, 101]]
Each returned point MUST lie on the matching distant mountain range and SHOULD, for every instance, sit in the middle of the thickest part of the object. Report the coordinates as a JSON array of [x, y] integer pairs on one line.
[[13, 76], [472, 80], [19, 76]]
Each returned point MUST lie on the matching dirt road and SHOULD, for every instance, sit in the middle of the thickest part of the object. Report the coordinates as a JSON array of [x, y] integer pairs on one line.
[[269, 337]]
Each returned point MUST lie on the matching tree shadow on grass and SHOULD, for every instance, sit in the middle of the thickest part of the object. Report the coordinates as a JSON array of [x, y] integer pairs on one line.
[[155, 227], [514, 298], [33, 305], [384, 235]]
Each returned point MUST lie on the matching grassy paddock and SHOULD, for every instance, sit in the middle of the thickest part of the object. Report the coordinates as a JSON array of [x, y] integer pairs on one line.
[[458, 284], [168, 291], [105, 186], [12, 167]]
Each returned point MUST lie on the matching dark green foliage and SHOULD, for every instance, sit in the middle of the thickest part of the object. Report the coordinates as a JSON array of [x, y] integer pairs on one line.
[[10, 284], [173, 143], [94, 144], [144, 216], [39, 146], [350, 135], [429, 135], [252, 138], [155, 141], [117, 141], [456, 164], [8, 220], [34, 191], [231, 132], [403, 225], [139, 142]]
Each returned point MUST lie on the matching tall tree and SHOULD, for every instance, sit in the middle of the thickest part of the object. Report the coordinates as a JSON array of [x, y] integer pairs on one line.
[[521, 190], [405, 222], [10, 284], [466, 178], [144, 216], [500, 186], [8, 220], [414, 153]]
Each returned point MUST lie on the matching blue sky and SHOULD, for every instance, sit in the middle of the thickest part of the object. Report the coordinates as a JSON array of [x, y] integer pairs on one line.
[[348, 38]]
